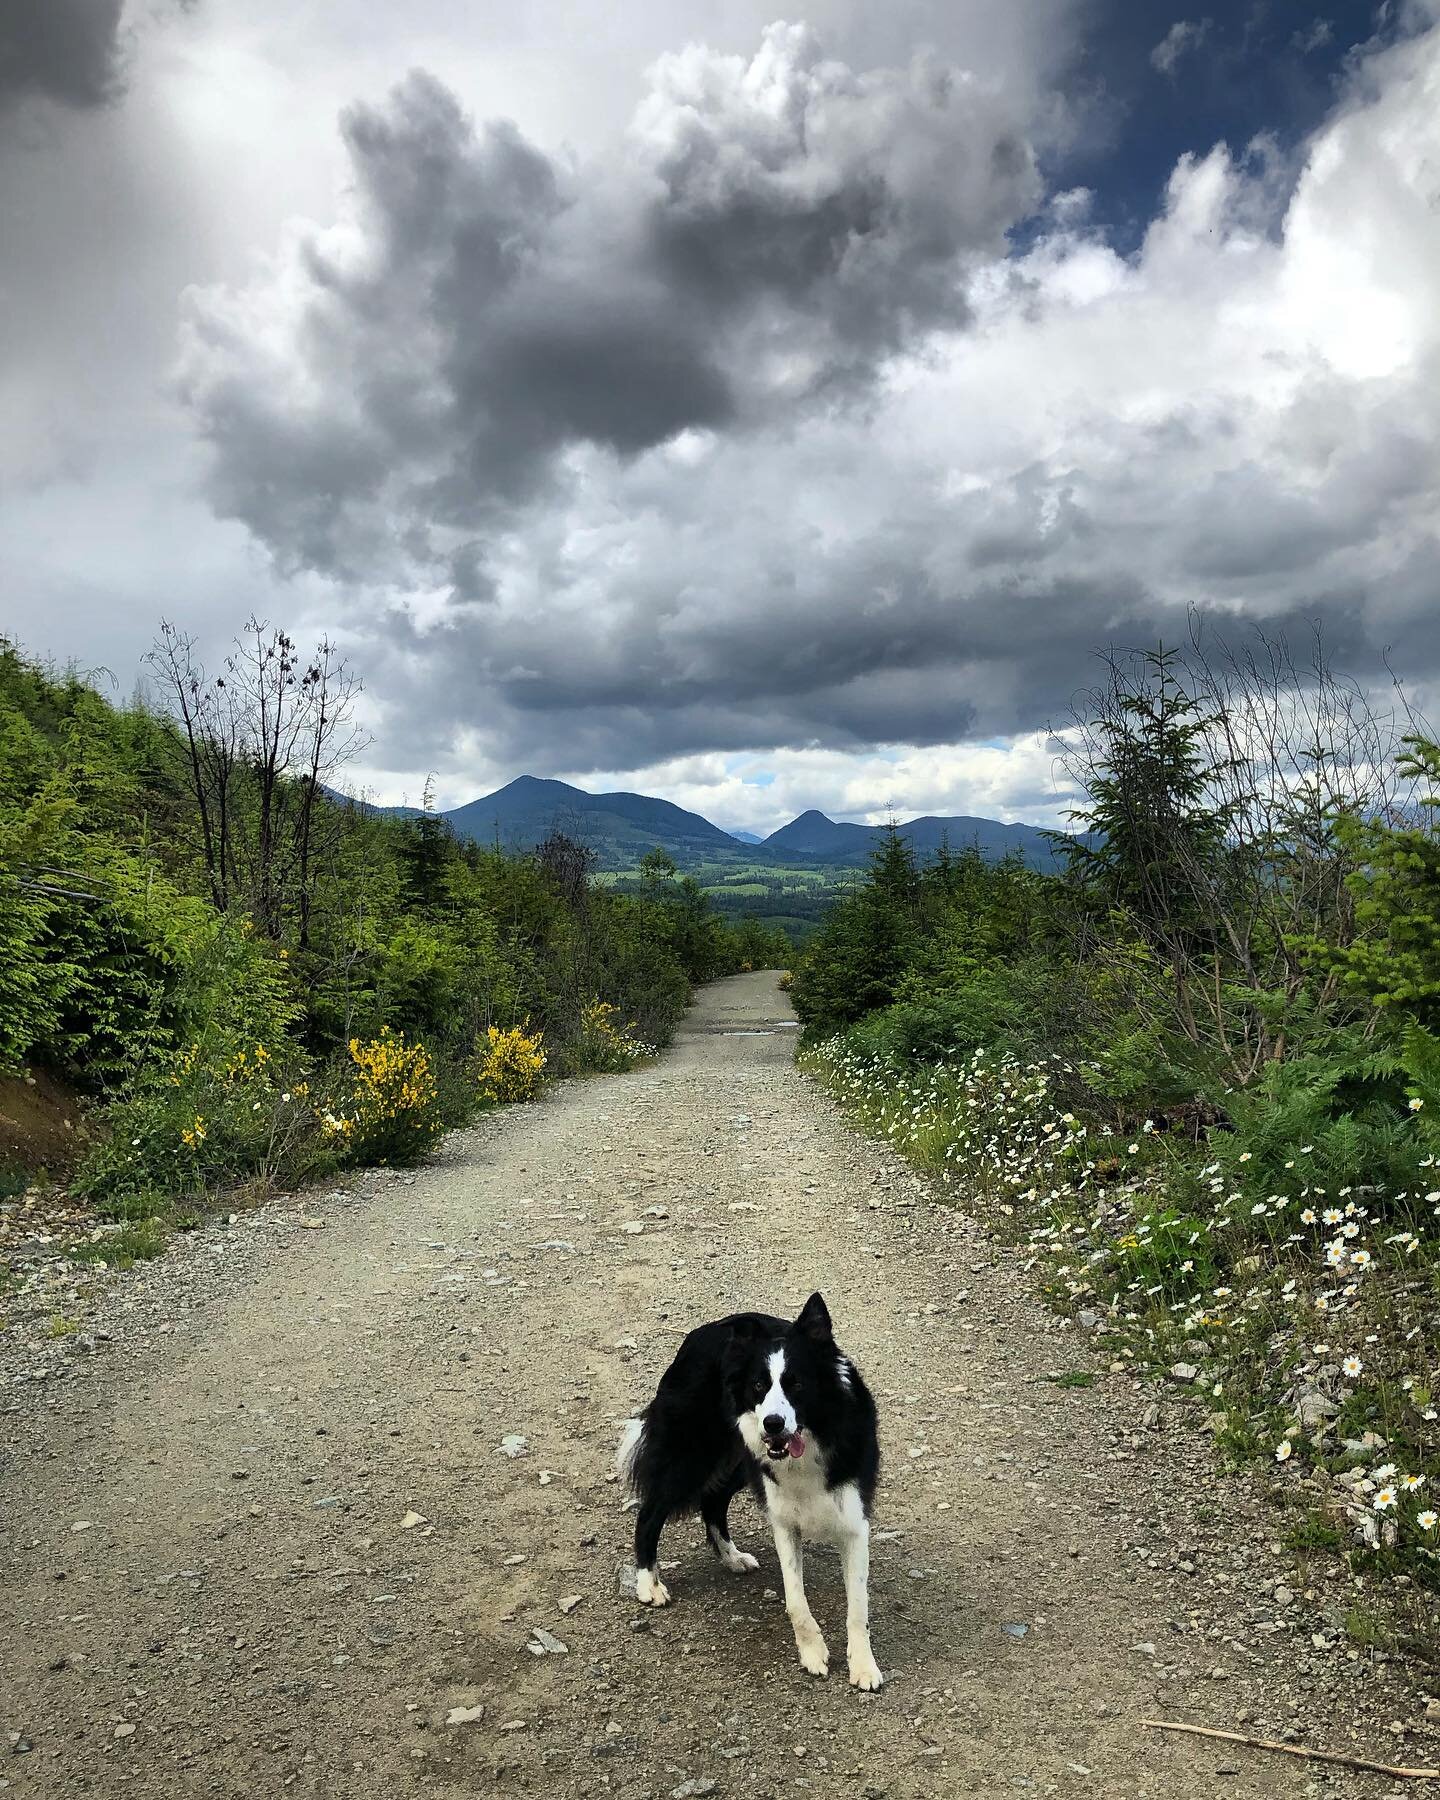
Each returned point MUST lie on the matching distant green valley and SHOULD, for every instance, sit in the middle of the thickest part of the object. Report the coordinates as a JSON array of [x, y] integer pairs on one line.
[[786, 880]]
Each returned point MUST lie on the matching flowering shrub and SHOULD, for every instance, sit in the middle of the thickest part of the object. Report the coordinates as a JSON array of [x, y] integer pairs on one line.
[[1305, 1308], [605, 1046], [213, 1114], [392, 1112], [509, 1065]]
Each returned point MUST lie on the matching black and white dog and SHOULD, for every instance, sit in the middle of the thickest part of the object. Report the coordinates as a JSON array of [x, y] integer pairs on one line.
[[754, 1399]]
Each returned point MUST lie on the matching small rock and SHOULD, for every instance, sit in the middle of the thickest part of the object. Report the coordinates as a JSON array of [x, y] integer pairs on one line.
[[690, 1790], [1016, 1631], [513, 1444], [1183, 1371], [1313, 1407], [465, 1715], [411, 1520], [569, 1602], [124, 1731], [545, 1643]]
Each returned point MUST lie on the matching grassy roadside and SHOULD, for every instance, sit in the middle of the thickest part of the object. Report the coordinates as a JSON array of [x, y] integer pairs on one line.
[[1298, 1307]]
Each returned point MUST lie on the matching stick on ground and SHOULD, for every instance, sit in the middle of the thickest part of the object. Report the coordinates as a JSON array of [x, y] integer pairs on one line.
[[1330, 1756]]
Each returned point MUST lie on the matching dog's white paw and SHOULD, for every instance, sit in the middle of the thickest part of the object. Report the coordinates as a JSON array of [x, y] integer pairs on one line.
[[739, 1562], [814, 1652], [650, 1590], [864, 1671]]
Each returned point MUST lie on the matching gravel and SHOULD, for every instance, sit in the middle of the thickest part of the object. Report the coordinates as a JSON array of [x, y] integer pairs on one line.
[[389, 1600]]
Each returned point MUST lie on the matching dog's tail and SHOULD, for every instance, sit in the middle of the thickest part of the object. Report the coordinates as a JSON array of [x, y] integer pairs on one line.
[[628, 1452]]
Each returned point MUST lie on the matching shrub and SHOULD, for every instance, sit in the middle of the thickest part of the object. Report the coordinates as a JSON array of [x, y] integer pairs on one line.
[[509, 1065], [392, 1112], [203, 1119], [918, 1032], [605, 1046]]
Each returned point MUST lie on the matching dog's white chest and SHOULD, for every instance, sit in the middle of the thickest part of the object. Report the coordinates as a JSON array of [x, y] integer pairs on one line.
[[798, 1498]]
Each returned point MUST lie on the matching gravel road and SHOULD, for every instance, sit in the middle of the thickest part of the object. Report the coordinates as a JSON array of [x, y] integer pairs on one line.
[[267, 1537]]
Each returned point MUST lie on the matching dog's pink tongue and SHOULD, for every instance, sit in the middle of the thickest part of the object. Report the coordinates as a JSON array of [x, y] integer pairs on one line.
[[796, 1446]]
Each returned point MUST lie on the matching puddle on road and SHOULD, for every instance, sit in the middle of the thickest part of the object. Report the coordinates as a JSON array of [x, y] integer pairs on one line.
[[770, 1030]]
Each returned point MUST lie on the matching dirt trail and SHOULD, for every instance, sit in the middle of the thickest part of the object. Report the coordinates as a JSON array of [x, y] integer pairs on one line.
[[246, 1598]]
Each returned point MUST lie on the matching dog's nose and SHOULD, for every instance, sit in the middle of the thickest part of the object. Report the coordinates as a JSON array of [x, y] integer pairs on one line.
[[773, 1423]]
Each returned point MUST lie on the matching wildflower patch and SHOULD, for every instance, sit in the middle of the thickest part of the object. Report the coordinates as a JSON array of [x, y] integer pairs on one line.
[[1303, 1311], [606, 1045]]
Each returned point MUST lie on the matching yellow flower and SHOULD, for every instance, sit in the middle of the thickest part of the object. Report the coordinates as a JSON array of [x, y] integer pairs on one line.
[[509, 1065]]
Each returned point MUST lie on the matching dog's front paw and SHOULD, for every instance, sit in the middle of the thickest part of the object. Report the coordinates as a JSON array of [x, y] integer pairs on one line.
[[864, 1671], [650, 1590], [814, 1652], [741, 1562]]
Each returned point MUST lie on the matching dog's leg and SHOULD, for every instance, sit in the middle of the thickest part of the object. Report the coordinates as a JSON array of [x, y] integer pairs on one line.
[[814, 1656], [715, 1511], [650, 1590], [855, 1557]]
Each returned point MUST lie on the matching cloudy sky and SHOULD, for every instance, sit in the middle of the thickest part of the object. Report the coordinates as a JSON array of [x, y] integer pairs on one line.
[[762, 413]]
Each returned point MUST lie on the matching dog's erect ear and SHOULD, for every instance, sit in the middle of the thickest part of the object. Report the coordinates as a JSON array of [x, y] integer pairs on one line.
[[814, 1320]]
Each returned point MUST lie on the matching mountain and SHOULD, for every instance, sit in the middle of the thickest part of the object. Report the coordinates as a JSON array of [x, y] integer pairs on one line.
[[812, 834], [620, 828], [821, 839], [369, 806]]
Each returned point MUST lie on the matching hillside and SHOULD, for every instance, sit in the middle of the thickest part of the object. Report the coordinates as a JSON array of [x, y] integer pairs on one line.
[[621, 827], [838, 842]]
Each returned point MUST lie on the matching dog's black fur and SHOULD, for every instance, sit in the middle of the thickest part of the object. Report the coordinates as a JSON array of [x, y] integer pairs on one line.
[[690, 1456]]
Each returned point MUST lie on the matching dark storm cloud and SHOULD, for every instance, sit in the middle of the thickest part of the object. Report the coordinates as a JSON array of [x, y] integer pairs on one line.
[[773, 231], [756, 436], [65, 50]]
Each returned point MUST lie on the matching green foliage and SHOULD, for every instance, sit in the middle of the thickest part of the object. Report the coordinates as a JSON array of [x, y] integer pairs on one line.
[[1151, 820], [860, 955], [119, 972], [217, 1113], [1394, 961], [1168, 1252], [1197, 1078]]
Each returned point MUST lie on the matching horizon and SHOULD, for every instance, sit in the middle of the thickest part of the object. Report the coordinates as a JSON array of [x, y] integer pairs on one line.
[[763, 415], [342, 788]]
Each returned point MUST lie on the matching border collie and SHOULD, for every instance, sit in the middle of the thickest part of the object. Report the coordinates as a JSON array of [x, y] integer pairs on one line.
[[754, 1399]]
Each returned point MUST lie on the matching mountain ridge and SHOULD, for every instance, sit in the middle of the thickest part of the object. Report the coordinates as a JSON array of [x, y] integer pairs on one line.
[[621, 826]]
